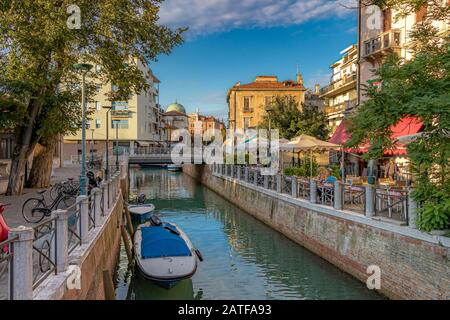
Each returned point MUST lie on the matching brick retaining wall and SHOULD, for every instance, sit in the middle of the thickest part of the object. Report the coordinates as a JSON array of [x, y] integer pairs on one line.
[[414, 265]]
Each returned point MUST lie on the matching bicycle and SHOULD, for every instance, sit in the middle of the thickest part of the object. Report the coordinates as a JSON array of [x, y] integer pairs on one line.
[[69, 187], [34, 210]]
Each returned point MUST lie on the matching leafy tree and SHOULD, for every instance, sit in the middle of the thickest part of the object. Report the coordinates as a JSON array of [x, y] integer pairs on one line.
[[286, 116], [419, 88], [37, 53]]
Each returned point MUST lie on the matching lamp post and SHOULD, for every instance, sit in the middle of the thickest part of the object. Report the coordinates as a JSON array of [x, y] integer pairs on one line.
[[84, 68], [269, 110], [117, 144], [92, 145], [108, 108]]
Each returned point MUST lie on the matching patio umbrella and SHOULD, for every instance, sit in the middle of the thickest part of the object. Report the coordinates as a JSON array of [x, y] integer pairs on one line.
[[308, 143]]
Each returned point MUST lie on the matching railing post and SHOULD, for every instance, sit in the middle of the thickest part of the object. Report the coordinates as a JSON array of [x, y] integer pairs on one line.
[[256, 177], [370, 200], [105, 197], [97, 192], [62, 239], [412, 210], [84, 218], [231, 170], [294, 186], [246, 174], [338, 195], [313, 191], [238, 173], [279, 180], [22, 276], [266, 181]]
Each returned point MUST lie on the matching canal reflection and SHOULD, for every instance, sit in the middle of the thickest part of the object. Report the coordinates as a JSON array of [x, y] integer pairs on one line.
[[244, 259]]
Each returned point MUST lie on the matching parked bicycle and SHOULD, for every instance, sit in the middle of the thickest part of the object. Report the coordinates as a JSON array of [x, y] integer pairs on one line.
[[34, 210], [69, 187]]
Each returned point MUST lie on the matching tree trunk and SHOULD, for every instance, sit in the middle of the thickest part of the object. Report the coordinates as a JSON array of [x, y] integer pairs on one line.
[[41, 171], [25, 142]]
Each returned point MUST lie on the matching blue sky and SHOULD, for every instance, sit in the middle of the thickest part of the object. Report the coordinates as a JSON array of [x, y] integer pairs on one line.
[[231, 40]]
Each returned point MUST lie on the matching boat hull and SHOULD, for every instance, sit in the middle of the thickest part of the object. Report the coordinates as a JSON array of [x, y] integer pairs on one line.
[[141, 213], [165, 271]]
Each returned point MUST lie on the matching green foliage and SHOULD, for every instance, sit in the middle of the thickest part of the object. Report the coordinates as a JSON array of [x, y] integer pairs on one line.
[[304, 170], [335, 171], [38, 85], [286, 116], [418, 88]]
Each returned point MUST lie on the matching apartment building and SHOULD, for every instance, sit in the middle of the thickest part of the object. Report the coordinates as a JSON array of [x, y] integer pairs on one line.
[[380, 33], [341, 94], [137, 122], [247, 103]]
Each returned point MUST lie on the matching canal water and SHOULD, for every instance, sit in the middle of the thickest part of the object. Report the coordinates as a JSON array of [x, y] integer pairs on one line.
[[243, 258]]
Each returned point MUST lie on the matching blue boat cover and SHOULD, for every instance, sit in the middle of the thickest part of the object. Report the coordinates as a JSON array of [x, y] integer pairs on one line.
[[159, 242]]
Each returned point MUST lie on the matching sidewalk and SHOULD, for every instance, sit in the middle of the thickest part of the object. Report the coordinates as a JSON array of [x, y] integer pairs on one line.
[[13, 213]]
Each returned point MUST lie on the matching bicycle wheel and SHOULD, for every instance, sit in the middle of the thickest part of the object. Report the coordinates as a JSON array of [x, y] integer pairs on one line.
[[29, 212], [66, 202]]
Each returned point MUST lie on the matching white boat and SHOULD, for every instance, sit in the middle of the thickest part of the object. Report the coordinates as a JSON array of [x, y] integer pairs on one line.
[[141, 212], [174, 167], [164, 254]]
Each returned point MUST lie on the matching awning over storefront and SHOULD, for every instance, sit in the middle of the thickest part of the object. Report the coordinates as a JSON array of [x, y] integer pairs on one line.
[[405, 127]]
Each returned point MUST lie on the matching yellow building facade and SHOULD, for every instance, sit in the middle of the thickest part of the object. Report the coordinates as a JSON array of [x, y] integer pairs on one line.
[[135, 123], [247, 102]]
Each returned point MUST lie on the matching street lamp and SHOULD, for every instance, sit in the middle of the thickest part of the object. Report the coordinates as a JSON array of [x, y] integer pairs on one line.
[[269, 110], [108, 108], [92, 145], [117, 144], [84, 68]]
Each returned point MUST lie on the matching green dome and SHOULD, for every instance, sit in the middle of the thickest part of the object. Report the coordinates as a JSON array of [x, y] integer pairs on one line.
[[176, 107]]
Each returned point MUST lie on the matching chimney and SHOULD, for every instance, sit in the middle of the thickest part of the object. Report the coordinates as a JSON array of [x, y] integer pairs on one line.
[[299, 79], [317, 88]]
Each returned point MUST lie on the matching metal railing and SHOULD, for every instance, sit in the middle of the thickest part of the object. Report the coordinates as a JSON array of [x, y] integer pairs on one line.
[[6, 268], [74, 226], [44, 251], [392, 203]]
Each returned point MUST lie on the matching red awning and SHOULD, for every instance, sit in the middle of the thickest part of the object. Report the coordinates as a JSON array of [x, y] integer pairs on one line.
[[405, 127]]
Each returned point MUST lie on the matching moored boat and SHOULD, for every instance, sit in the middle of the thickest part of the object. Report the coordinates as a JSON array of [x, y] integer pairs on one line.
[[164, 253], [141, 212], [174, 167]]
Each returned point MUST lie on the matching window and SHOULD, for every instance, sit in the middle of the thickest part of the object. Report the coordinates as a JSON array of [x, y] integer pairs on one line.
[[268, 100], [98, 123], [98, 88], [122, 124], [97, 105], [98, 68], [246, 123], [246, 104]]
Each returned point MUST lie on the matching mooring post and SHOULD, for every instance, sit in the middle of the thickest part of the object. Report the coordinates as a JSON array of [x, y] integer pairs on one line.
[[22, 263]]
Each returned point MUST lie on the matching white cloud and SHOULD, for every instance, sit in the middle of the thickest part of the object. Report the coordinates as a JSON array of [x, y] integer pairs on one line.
[[209, 16]]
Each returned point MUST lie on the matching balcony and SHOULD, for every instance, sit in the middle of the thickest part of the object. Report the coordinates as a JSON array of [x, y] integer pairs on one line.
[[339, 109], [339, 86], [383, 44], [121, 113]]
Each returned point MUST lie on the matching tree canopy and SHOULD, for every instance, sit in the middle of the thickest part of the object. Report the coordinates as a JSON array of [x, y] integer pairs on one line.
[[291, 120], [38, 50], [418, 88]]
